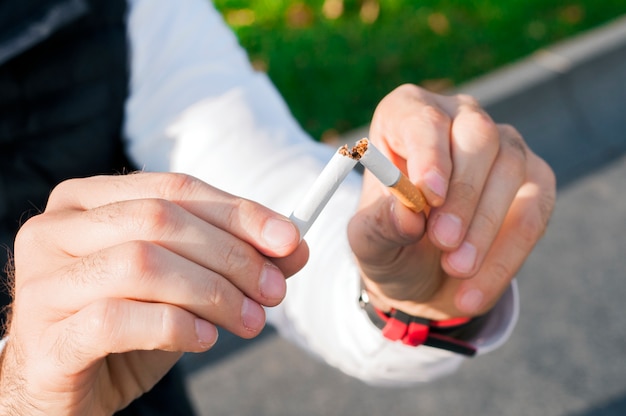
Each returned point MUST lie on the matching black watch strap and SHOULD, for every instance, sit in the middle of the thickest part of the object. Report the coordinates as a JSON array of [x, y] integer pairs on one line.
[[450, 335]]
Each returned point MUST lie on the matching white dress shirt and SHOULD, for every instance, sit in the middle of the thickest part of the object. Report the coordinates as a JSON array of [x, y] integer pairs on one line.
[[196, 106]]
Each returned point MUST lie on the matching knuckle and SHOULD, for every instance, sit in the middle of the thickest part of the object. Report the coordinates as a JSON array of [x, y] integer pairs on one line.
[[508, 130], [468, 100], [501, 275], [98, 318], [30, 232], [547, 182], [534, 223], [546, 206], [511, 170], [515, 154], [132, 261], [433, 115], [170, 328], [513, 142], [546, 175], [405, 93], [154, 217], [61, 191], [28, 293], [531, 228], [465, 192], [375, 229], [138, 259], [239, 210], [238, 258], [512, 164], [96, 327], [484, 127], [212, 292], [176, 185], [488, 222], [410, 90]]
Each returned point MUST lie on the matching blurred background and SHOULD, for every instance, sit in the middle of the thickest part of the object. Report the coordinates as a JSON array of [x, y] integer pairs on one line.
[[333, 60], [554, 69]]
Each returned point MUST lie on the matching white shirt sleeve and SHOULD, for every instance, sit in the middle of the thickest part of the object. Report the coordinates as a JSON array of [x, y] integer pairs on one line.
[[196, 106]]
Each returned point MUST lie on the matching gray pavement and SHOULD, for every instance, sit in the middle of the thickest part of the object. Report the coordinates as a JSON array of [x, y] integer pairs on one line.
[[568, 353]]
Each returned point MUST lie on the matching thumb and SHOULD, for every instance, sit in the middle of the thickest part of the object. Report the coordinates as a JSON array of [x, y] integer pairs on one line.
[[388, 240], [382, 227]]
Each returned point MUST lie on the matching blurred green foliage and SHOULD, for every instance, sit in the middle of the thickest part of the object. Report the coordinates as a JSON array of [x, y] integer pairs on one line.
[[333, 60]]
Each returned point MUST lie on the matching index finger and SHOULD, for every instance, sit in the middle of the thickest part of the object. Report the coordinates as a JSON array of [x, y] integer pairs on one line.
[[271, 233], [413, 129]]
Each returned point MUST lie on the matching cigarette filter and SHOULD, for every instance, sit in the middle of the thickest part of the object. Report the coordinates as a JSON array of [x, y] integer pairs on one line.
[[390, 176]]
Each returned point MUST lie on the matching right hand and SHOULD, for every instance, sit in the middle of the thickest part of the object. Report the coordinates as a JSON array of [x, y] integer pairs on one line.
[[122, 274], [490, 195]]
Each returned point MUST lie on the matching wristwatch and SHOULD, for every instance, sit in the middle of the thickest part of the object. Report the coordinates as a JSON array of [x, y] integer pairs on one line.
[[450, 334]]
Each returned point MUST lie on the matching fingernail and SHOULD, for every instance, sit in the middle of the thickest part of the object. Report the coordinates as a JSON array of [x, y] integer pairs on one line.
[[279, 233], [436, 183], [464, 258], [272, 282], [471, 301], [206, 333], [252, 315], [448, 230]]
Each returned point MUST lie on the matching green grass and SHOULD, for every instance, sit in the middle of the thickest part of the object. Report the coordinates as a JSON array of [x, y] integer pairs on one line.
[[333, 69]]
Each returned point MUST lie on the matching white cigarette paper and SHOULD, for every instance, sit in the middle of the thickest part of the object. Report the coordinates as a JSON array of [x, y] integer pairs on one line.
[[387, 173], [342, 162], [319, 194]]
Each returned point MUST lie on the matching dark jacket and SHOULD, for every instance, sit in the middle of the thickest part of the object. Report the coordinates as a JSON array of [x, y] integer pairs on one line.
[[63, 83]]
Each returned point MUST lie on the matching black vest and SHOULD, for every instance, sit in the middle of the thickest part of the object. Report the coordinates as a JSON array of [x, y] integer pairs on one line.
[[63, 84]]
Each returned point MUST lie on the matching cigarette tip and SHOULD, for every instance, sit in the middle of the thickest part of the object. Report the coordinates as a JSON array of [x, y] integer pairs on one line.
[[357, 151]]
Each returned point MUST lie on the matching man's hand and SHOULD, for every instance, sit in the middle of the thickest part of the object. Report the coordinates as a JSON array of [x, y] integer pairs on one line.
[[122, 274], [490, 198]]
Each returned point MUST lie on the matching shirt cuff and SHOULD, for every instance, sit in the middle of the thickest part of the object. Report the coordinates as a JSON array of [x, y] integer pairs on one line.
[[386, 362]]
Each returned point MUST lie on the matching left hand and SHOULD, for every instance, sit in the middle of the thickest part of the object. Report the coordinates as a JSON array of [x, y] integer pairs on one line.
[[122, 274], [490, 198]]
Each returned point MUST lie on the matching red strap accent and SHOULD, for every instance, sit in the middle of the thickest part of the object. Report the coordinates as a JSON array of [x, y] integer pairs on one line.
[[416, 334], [400, 326], [414, 330], [394, 329]]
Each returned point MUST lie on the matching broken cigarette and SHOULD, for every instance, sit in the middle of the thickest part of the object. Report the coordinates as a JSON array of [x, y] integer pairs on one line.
[[323, 188], [342, 162], [387, 173]]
